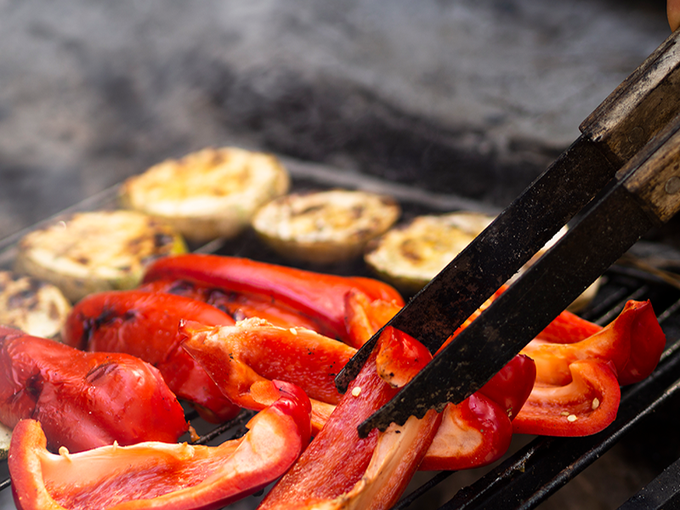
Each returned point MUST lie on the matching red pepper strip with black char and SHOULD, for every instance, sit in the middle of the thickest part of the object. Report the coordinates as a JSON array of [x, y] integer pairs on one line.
[[577, 390], [341, 470], [145, 325], [319, 296], [239, 306], [237, 357], [157, 475], [84, 400]]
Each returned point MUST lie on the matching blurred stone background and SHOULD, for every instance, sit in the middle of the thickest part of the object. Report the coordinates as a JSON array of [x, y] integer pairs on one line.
[[469, 97]]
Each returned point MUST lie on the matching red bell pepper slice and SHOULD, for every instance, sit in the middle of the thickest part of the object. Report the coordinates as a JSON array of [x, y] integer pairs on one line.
[[145, 325], [363, 316], [84, 400], [478, 431], [319, 296], [568, 328], [584, 406], [473, 433], [237, 357], [341, 470], [238, 305], [633, 342], [157, 475], [577, 384]]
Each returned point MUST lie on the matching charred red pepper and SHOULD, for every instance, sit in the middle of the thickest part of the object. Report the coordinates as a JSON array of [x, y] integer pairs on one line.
[[146, 325], [157, 475], [318, 296], [84, 400], [237, 304], [341, 470], [577, 384], [237, 357]]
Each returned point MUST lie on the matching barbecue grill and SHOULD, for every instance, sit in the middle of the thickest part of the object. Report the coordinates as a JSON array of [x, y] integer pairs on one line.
[[535, 468]]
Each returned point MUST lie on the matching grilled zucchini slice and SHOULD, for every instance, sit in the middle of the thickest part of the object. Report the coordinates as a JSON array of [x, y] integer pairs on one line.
[[411, 254], [207, 194], [325, 227], [33, 306], [96, 251]]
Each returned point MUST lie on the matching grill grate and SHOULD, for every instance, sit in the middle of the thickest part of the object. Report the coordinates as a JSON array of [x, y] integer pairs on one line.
[[529, 476]]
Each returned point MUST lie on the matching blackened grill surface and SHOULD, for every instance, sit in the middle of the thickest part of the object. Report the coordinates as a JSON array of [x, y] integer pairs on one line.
[[527, 476]]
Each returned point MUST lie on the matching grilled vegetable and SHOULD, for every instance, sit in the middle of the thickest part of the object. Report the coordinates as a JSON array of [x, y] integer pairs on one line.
[[241, 357], [207, 194], [145, 325], [84, 400], [577, 382], [319, 296], [327, 226], [96, 251], [157, 475], [34, 306], [410, 255]]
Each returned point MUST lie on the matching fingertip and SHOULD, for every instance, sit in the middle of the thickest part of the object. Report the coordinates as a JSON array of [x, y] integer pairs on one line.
[[673, 13]]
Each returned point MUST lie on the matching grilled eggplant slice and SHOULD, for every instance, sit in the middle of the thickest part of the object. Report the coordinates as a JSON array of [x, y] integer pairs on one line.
[[33, 306], [208, 194], [326, 226], [96, 251]]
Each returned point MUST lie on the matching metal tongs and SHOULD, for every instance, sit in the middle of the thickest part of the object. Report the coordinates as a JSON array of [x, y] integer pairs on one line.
[[622, 175]]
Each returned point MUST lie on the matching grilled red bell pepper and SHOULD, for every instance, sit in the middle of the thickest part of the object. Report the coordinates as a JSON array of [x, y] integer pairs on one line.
[[577, 384], [341, 470], [237, 304], [478, 431], [157, 475], [84, 400], [146, 325], [237, 357], [319, 296], [633, 342], [363, 316], [568, 328], [587, 404]]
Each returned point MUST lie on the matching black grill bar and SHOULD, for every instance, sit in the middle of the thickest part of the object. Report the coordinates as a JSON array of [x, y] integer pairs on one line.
[[662, 492]]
